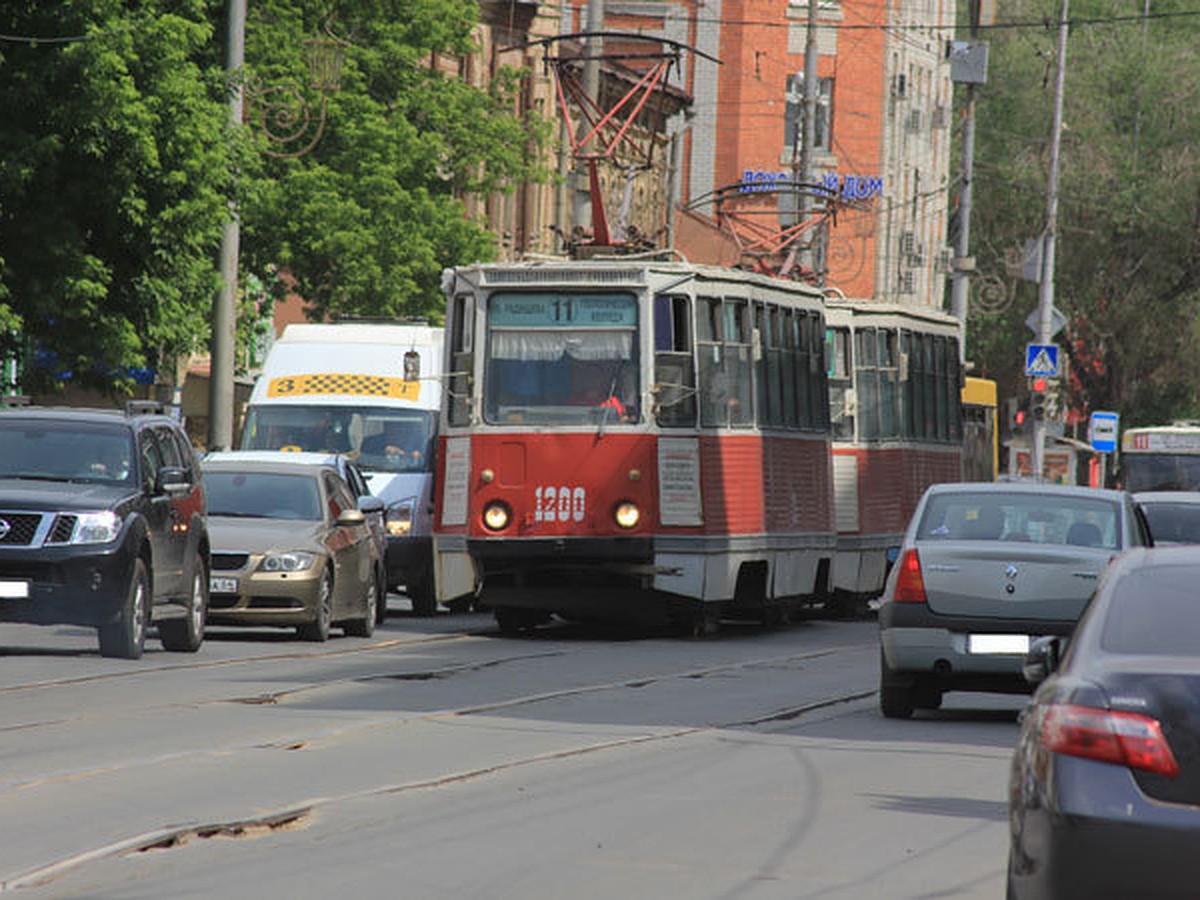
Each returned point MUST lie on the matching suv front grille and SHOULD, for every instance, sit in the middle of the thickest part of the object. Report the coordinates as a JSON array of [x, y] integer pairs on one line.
[[64, 527], [21, 528]]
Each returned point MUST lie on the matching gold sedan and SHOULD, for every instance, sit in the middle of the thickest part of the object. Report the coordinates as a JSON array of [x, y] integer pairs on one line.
[[290, 547]]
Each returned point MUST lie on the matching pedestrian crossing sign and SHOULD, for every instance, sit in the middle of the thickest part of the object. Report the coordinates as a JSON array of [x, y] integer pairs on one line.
[[1041, 360]]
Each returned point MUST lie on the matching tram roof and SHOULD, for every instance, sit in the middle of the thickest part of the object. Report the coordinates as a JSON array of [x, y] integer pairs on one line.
[[612, 272]]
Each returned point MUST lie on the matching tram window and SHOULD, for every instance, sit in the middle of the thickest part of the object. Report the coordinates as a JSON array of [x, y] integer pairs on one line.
[[889, 386], [674, 367], [787, 368], [724, 374], [708, 319], [462, 358], [866, 382], [954, 382], [818, 379], [838, 351], [940, 383], [929, 387]]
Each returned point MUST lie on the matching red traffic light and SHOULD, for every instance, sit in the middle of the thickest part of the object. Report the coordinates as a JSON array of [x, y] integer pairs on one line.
[[1019, 417], [1039, 385]]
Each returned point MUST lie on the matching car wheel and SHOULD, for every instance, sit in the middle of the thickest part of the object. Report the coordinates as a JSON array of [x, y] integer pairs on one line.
[[896, 700], [420, 592], [318, 629], [364, 625], [187, 634], [126, 638]]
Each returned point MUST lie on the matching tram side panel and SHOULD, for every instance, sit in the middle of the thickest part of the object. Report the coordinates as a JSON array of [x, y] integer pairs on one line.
[[732, 502]]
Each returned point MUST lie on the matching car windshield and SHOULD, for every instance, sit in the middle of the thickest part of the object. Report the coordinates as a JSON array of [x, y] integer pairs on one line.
[[1154, 611], [379, 439], [1039, 518], [1173, 523], [263, 495], [65, 451], [561, 359]]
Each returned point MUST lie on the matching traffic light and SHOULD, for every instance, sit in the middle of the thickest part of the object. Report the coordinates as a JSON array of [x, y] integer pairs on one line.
[[1019, 415], [1037, 394]]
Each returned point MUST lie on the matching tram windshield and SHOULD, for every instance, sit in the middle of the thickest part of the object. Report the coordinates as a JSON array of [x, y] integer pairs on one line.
[[1160, 471], [555, 358]]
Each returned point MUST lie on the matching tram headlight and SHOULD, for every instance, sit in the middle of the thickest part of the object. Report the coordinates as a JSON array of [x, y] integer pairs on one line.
[[627, 514], [497, 515]]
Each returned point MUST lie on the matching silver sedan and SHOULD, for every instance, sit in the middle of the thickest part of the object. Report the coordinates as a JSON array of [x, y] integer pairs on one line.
[[983, 570]]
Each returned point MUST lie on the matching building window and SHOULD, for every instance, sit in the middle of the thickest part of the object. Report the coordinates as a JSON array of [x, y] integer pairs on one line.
[[793, 133]]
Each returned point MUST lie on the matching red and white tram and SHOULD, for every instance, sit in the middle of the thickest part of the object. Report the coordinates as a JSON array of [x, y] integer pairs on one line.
[[633, 438], [896, 416]]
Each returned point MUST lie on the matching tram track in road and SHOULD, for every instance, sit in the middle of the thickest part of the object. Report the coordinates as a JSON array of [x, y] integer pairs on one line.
[[140, 669], [300, 813]]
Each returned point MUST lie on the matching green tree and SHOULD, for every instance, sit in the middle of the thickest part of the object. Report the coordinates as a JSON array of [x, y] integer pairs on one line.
[[364, 222], [1128, 256], [112, 147]]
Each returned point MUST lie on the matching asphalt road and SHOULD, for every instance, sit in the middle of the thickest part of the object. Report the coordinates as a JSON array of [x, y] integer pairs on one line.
[[440, 760]]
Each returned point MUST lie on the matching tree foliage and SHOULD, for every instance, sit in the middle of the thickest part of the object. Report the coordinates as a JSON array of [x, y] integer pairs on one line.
[[1127, 262], [119, 165], [111, 147], [365, 221]]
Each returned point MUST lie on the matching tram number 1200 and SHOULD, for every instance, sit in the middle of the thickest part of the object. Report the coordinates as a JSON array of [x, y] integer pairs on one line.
[[559, 504]]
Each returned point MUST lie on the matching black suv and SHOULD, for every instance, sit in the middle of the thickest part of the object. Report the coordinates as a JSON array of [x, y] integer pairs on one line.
[[102, 523]]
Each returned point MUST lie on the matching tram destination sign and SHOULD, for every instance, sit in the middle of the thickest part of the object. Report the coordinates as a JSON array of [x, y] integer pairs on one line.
[[561, 310]]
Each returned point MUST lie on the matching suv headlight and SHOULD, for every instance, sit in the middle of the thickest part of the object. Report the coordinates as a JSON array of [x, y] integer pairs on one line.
[[400, 515], [96, 528], [291, 561]]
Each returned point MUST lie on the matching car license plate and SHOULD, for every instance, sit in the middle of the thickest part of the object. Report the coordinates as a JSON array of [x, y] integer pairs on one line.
[[998, 643], [219, 585], [14, 590]]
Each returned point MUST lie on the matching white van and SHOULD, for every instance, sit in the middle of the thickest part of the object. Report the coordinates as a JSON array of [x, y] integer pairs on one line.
[[370, 390]]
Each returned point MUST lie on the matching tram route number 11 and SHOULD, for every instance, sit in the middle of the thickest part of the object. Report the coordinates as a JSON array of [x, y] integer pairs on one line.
[[559, 504]]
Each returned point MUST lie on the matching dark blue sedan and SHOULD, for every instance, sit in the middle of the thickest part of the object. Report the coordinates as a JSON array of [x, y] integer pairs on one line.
[[1104, 795]]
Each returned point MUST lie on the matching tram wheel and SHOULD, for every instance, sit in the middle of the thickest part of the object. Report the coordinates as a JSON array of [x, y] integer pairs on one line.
[[697, 620]]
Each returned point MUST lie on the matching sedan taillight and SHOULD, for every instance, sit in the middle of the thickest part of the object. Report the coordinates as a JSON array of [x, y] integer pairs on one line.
[[910, 585], [1123, 738]]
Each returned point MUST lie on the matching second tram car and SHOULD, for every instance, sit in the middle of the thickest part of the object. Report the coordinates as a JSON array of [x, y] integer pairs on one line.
[[633, 438], [897, 427]]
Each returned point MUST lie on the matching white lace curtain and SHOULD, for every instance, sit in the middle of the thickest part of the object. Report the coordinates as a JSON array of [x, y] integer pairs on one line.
[[547, 346]]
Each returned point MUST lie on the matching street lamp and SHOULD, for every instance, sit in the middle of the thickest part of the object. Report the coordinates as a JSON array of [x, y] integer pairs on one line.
[[285, 114], [286, 119]]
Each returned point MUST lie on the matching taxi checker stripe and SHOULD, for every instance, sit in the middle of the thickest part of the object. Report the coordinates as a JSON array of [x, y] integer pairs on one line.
[[342, 383]]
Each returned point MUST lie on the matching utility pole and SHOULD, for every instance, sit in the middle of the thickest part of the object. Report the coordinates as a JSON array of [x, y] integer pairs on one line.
[[804, 177], [960, 286], [224, 319], [1046, 288], [593, 47]]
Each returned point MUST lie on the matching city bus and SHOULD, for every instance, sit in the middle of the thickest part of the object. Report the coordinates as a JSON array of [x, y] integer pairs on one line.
[[1161, 458], [633, 439]]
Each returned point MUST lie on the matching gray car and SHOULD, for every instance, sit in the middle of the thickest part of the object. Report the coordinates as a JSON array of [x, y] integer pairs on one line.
[[983, 570], [1173, 516]]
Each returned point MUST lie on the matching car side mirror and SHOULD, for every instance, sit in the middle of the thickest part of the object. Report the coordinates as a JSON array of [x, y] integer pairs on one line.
[[351, 517], [369, 503], [1042, 659], [173, 480]]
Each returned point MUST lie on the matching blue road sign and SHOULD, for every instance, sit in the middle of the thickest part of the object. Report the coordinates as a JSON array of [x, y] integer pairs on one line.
[[1041, 360], [1102, 431]]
